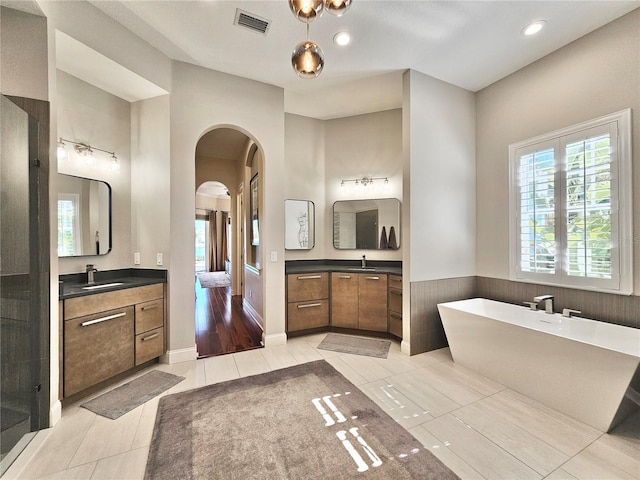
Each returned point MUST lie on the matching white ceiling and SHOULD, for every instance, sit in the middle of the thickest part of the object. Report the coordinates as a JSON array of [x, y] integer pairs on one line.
[[467, 43], [213, 189]]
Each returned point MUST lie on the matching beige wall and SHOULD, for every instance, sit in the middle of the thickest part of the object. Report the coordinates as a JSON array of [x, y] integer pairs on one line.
[[363, 145], [593, 76], [200, 101], [440, 144], [23, 54], [92, 116], [149, 180], [439, 209], [305, 176]]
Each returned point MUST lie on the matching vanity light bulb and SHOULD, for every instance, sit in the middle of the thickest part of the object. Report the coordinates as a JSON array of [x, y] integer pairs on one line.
[[89, 159], [114, 165], [61, 153]]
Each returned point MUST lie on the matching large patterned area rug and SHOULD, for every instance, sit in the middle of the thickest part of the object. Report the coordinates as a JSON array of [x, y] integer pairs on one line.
[[302, 422]]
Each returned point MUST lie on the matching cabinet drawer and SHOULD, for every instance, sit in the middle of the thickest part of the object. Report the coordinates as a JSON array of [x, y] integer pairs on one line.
[[149, 345], [149, 315], [395, 300], [97, 347], [395, 281], [304, 315], [311, 286], [395, 324], [81, 306]]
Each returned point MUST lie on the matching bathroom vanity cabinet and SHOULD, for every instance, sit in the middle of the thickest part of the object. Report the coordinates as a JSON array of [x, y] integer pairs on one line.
[[359, 300], [307, 301], [105, 334], [395, 305], [345, 297]]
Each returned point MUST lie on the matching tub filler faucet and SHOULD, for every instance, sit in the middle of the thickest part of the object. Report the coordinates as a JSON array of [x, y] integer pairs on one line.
[[548, 302], [90, 270]]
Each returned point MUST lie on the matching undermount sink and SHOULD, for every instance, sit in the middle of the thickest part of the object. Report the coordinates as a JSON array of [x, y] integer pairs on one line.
[[104, 285]]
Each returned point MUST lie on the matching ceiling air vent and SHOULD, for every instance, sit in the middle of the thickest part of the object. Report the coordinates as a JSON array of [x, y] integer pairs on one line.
[[251, 21]]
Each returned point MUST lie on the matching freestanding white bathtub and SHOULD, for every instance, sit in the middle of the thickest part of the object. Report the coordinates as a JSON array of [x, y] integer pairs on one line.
[[580, 367]]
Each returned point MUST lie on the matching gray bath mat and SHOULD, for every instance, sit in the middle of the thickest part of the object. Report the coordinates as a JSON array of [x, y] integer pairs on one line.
[[370, 347], [125, 398]]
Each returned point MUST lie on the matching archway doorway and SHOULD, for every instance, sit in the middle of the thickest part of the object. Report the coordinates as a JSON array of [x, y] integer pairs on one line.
[[213, 231], [225, 322]]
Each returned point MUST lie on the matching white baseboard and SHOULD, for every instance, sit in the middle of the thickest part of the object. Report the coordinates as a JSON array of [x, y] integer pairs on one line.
[[180, 355], [405, 347], [253, 313], [275, 339], [55, 413]]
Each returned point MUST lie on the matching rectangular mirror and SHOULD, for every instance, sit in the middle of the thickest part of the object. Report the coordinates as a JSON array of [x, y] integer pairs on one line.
[[366, 224], [299, 221], [84, 217]]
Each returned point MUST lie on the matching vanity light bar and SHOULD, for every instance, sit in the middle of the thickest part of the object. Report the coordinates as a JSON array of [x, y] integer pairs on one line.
[[364, 181], [83, 148]]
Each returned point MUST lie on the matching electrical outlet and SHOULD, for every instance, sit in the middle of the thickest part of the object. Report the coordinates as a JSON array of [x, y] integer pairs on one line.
[[159, 259], [136, 258]]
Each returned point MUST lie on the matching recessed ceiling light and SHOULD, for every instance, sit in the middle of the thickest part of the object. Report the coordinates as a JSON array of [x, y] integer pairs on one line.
[[533, 27], [342, 38]]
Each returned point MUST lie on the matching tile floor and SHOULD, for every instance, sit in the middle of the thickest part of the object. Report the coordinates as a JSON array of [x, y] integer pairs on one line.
[[477, 427]]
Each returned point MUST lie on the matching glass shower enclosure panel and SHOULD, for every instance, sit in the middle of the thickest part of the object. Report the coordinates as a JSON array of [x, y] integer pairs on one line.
[[23, 335]]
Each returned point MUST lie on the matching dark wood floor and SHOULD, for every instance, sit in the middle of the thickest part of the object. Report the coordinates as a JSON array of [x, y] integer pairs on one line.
[[222, 324]]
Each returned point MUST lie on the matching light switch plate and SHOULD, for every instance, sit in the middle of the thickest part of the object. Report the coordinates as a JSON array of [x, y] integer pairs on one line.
[[136, 258], [158, 259], [274, 256]]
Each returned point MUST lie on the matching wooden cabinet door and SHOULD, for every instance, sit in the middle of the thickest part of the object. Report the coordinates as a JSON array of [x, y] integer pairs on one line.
[[372, 302], [344, 300], [97, 347]]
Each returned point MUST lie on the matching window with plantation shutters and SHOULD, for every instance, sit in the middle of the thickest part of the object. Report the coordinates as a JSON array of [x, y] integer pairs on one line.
[[571, 219]]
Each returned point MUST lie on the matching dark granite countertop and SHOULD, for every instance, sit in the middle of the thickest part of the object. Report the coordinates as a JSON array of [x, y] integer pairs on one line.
[[75, 284], [314, 266]]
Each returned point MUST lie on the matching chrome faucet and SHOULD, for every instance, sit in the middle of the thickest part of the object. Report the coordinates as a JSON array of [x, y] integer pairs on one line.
[[364, 261], [548, 302], [567, 312], [90, 269]]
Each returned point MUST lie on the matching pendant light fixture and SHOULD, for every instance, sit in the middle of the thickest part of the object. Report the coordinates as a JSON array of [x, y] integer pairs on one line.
[[337, 7], [307, 10], [307, 58]]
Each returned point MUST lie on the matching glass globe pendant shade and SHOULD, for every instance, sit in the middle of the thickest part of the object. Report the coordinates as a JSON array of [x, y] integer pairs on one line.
[[307, 59], [307, 10], [337, 7]]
